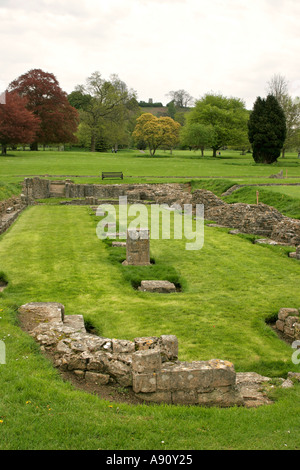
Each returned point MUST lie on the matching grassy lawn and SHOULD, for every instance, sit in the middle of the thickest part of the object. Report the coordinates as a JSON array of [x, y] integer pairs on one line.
[[135, 164], [230, 288]]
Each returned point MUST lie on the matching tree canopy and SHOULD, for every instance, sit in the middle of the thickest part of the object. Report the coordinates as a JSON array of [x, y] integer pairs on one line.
[[106, 109], [45, 98], [227, 117], [156, 132], [267, 129], [17, 124]]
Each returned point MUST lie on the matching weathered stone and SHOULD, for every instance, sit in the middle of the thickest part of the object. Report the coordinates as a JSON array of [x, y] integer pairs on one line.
[[138, 247], [44, 311], [146, 361], [76, 322], [168, 345], [144, 383], [156, 397], [123, 346], [280, 325], [185, 397], [223, 373], [289, 331], [222, 396], [162, 287], [290, 321], [286, 312], [146, 342], [96, 378]]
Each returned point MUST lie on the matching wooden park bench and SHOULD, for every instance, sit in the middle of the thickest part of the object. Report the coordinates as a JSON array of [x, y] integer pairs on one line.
[[112, 174]]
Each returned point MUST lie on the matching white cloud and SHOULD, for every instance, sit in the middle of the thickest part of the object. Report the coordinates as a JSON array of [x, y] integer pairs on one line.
[[227, 46]]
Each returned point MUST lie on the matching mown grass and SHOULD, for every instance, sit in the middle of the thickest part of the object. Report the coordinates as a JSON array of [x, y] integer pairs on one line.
[[134, 164], [287, 205], [230, 288]]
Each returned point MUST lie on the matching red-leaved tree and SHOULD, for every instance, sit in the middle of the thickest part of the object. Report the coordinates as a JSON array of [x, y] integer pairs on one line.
[[18, 125], [58, 119]]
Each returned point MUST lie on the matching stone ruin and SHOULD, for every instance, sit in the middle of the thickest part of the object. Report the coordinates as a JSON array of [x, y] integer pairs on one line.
[[288, 323], [295, 254], [148, 364], [257, 219], [138, 247], [9, 211]]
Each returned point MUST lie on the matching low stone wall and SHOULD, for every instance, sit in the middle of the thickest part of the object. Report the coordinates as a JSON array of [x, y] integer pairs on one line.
[[148, 364], [288, 323], [257, 219], [9, 211]]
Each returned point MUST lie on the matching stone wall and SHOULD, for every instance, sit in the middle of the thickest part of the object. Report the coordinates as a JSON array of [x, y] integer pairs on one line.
[[288, 323], [257, 219], [9, 211], [148, 364]]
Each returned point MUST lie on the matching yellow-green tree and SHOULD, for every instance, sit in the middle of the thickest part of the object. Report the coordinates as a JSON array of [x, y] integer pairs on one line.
[[156, 132]]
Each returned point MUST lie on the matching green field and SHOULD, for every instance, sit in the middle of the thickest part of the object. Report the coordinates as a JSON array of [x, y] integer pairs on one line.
[[231, 288]]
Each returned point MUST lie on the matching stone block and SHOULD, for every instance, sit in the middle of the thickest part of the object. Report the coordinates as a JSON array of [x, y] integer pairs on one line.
[[280, 325], [289, 331], [222, 397], [168, 345], [223, 373], [156, 397], [185, 376], [76, 322], [145, 383], [184, 397], [287, 312], [290, 321], [96, 378], [138, 247], [162, 287], [43, 311], [146, 342], [123, 346], [146, 361]]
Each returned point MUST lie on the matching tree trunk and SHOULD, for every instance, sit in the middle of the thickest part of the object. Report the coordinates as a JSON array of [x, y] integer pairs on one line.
[[34, 146], [4, 149], [214, 151], [93, 144], [283, 152]]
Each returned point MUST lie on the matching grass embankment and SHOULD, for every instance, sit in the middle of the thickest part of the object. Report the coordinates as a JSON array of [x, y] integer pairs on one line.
[[286, 199], [230, 288]]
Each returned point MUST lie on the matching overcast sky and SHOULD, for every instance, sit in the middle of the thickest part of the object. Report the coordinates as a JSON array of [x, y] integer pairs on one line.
[[232, 47]]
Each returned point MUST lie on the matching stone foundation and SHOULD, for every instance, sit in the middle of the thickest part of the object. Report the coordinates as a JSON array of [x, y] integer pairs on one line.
[[148, 364], [288, 323], [257, 219], [10, 209]]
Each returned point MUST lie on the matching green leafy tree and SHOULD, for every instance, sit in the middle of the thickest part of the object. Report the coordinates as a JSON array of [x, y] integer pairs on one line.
[[228, 118], [197, 136], [267, 129], [156, 132], [105, 108]]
